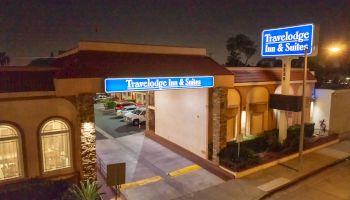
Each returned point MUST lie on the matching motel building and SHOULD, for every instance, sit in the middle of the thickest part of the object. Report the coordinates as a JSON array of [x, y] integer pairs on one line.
[[47, 126]]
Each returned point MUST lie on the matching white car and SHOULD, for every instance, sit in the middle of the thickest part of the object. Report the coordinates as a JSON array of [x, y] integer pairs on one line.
[[125, 110], [136, 117], [99, 98]]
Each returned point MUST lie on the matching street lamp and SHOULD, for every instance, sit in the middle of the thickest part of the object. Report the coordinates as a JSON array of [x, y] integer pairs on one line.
[[334, 49]]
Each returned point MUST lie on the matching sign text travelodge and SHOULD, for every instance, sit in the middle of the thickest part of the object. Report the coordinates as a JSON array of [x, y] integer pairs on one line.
[[157, 83], [287, 41]]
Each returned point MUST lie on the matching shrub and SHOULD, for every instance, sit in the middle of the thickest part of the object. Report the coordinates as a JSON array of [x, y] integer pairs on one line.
[[88, 190], [291, 143], [210, 151], [261, 142], [109, 104], [273, 142], [35, 189], [229, 157], [308, 129]]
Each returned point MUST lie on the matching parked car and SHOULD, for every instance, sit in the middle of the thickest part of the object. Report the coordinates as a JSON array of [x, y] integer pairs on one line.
[[99, 98], [136, 117], [121, 105], [125, 110]]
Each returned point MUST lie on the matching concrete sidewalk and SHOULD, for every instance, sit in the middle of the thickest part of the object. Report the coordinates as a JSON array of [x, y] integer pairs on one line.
[[265, 182]]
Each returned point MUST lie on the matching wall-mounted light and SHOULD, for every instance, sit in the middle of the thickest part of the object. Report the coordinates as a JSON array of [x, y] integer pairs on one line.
[[88, 129], [243, 121]]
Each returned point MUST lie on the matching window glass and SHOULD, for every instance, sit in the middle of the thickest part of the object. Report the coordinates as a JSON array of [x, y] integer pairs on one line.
[[10, 153], [55, 144], [137, 112]]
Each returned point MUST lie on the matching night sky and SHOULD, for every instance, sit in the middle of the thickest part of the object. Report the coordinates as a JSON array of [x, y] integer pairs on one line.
[[36, 28]]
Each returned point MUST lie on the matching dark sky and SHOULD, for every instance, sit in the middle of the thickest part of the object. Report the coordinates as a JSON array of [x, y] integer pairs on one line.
[[35, 28]]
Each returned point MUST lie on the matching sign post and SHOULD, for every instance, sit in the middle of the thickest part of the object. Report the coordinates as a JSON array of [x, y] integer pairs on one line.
[[302, 128], [288, 43], [116, 175]]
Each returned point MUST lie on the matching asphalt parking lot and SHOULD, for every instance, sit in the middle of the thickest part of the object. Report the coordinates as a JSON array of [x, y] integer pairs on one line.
[[107, 121]]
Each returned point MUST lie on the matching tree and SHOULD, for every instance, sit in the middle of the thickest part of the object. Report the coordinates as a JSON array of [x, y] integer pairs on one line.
[[238, 46], [269, 62], [4, 59]]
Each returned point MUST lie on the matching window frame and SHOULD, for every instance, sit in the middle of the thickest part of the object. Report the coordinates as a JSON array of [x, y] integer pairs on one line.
[[20, 150], [70, 142]]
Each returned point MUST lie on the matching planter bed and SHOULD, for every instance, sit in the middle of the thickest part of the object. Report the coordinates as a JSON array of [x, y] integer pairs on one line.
[[267, 159]]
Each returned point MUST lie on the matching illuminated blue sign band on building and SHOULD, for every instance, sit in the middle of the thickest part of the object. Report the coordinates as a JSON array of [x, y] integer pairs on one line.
[[287, 41], [157, 83]]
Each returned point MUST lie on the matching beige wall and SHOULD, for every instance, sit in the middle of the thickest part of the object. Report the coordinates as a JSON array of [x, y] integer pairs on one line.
[[182, 117], [270, 121], [233, 114], [340, 112], [322, 107], [71, 87], [28, 115]]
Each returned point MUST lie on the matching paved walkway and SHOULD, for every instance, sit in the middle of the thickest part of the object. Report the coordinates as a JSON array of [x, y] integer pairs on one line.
[[153, 171], [265, 182], [330, 184]]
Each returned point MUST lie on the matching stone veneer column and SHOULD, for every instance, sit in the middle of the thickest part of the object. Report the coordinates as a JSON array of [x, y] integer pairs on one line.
[[219, 125], [85, 107]]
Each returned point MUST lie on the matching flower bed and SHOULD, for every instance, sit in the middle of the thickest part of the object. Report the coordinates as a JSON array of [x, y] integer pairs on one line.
[[266, 148]]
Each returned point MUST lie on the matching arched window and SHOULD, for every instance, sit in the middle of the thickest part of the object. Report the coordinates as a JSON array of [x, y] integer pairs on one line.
[[10, 152], [55, 145]]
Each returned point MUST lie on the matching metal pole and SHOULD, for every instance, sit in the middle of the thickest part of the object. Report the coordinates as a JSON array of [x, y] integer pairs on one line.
[[301, 139]]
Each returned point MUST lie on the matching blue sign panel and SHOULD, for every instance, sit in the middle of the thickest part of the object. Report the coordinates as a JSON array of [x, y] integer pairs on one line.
[[287, 41], [157, 83]]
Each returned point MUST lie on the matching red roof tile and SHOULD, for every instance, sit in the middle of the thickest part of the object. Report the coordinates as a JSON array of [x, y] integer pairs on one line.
[[245, 75], [25, 79], [88, 64]]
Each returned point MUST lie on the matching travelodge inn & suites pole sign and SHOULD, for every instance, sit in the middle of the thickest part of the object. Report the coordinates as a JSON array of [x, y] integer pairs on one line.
[[287, 43]]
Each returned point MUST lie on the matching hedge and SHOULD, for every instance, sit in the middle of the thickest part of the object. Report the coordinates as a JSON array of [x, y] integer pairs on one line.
[[34, 189]]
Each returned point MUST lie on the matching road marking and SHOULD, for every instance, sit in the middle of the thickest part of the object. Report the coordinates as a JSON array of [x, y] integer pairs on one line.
[[184, 170], [104, 133], [138, 183], [275, 183]]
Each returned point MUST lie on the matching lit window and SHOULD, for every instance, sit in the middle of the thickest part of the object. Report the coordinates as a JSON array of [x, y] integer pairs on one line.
[[55, 145], [10, 153]]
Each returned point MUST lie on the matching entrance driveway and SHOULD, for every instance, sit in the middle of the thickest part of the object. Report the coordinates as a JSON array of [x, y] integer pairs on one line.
[[153, 171]]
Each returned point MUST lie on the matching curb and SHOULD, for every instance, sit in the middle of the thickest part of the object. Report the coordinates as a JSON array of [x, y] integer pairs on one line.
[[301, 178]]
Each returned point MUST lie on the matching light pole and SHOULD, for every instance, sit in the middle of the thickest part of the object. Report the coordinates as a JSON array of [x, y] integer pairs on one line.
[[301, 137]]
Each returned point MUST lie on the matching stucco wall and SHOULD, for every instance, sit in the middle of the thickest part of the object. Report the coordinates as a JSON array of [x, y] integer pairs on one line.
[[28, 115], [182, 117], [340, 111], [244, 90]]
